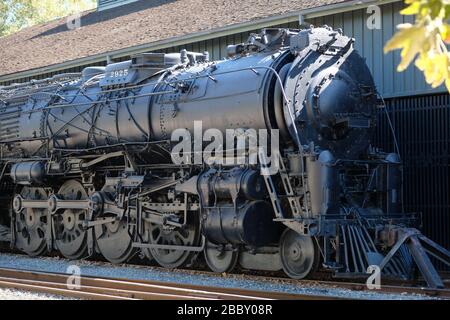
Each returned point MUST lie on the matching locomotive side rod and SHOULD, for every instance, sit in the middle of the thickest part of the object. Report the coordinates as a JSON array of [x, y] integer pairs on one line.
[[172, 247], [53, 204]]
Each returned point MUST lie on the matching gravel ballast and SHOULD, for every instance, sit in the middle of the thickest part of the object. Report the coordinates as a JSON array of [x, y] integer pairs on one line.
[[137, 272], [10, 294]]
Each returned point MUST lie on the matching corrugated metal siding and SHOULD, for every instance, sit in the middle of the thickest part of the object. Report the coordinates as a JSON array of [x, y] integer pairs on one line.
[[370, 43], [422, 126]]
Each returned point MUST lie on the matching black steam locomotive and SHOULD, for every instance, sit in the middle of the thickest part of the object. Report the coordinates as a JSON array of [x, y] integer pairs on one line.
[[92, 163]]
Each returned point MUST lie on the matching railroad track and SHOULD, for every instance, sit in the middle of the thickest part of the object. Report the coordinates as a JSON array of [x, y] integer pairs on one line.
[[393, 287], [121, 289], [387, 286], [354, 286]]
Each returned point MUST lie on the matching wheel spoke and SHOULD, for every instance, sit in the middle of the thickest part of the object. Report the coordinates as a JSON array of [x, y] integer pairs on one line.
[[115, 239], [219, 260], [30, 227], [176, 237], [72, 242]]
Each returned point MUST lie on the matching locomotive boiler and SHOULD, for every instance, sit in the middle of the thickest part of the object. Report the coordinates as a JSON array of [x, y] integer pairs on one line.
[[87, 161]]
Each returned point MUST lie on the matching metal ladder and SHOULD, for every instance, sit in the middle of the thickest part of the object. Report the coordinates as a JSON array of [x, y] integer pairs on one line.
[[293, 199]]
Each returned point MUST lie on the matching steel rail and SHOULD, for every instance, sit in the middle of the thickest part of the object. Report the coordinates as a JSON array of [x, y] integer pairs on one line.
[[390, 286], [393, 287], [121, 289]]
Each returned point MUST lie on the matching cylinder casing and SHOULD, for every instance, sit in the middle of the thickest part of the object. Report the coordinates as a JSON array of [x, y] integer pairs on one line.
[[28, 173]]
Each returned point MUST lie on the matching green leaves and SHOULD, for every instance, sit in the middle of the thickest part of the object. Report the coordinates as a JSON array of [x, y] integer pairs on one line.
[[17, 14], [425, 40], [13, 13]]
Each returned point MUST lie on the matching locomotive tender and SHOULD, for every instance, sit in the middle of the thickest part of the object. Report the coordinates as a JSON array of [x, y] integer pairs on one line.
[[87, 163]]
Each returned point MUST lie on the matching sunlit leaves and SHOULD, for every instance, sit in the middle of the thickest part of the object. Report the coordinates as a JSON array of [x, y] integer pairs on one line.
[[46, 10], [434, 67], [424, 41], [411, 40], [13, 14], [17, 14], [413, 8]]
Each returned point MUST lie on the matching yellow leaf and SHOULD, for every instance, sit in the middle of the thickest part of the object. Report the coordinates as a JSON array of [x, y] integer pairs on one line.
[[398, 40], [412, 9], [424, 41], [445, 32], [434, 66], [438, 71], [447, 84], [411, 40]]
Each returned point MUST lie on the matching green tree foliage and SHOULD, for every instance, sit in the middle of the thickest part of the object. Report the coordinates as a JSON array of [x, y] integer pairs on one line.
[[13, 15], [17, 14], [425, 41]]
